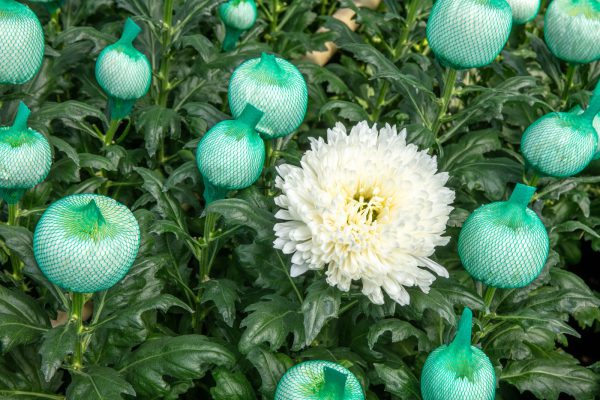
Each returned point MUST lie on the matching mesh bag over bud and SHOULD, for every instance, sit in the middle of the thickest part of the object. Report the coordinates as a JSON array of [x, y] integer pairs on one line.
[[123, 72], [25, 157], [572, 30], [524, 10], [274, 86], [319, 380], [237, 16], [562, 144], [86, 243], [468, 33], [505, 244], [459, 371], [231, 155], [596, 124], [21, 43]]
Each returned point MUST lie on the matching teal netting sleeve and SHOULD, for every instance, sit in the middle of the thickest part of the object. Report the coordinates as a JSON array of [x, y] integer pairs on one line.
[[459, 371], [274, 86], [319, 380], [86, 243], [25, 157], [237, 16], [123, 72], [468, 33], [572, 30], [596, 124], [505, 244], [562, 144], [524, 10], [21, 43], [231, 155]]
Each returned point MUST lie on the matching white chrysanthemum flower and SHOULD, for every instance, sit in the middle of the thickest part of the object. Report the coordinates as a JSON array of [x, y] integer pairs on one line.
[[367, 207]]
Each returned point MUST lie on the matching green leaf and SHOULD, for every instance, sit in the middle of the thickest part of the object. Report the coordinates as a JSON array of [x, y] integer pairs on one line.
[[547, 375], [183, 358], [398, 381], [572, 226], [345, 109], [241, 212], [271, 321], [231, 386], [168, 206], [156, 123], [271, 367], [224, 294], [59, 342], [22, 320], [98, 383], [95, 161], [321, 304], [400, 330]]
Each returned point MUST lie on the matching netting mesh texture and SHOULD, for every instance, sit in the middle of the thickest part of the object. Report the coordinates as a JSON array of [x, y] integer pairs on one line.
[[274, 86], [231, 155], [524, 10], [319, 380], [504, 244], [25, 157], [121, 70], [559, 144], [21, 43], [458, 371], [86, 243], [572, 30], [238, 14], [468, 33]]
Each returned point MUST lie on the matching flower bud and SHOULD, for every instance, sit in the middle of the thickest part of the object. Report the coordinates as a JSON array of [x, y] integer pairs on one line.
[[524, 10], [237, 16]]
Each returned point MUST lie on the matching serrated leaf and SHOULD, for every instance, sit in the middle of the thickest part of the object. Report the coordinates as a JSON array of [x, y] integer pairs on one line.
[[156, 123], [183, 358], [98, 383], [321, 304], [345, 109], [22, 320], [224, 294], [400, 330], [398, 381], [241, 212], [271, 367], [59, 342], [231, 386], [271, 321]]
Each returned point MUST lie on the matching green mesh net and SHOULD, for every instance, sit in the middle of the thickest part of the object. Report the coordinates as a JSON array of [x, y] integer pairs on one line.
[[458, 371], [21, 43], [572, 30], [237, 16], [123, 72], [524, 10], [562, 144], [596, 124], [274, 86], [231, 155], [86, 243], [25, 157], [468, 33], [319, 380], [505, 244]]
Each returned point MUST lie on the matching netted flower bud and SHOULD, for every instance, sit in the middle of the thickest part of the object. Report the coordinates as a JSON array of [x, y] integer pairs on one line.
[[123, 72], [596, 124], [468, 33], [86, 243], [237, 16], [459, 371], [25, 157], [524, 10], [21, 43], [572, 30], [316, 380], [231, 155], [505, 244], [562, 144], [274, 86]]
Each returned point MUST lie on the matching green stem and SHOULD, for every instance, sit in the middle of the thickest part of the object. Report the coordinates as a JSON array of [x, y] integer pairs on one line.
[[12, 393], [13, 220], [569, 82], [206, 260], [348, 307], [449, 83], [112, 130], [489, 297], [163, 75], [77, 303]]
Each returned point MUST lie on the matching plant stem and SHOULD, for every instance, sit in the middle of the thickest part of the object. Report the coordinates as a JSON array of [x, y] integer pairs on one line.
[[13, 220], [449, 83], [77, 303], [163, 75], [348, 307], [488, 298], [206, 260], [569, 82], [112, 129]]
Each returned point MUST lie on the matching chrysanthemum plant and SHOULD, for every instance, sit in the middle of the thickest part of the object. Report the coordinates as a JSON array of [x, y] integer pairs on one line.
[[336, 265]]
